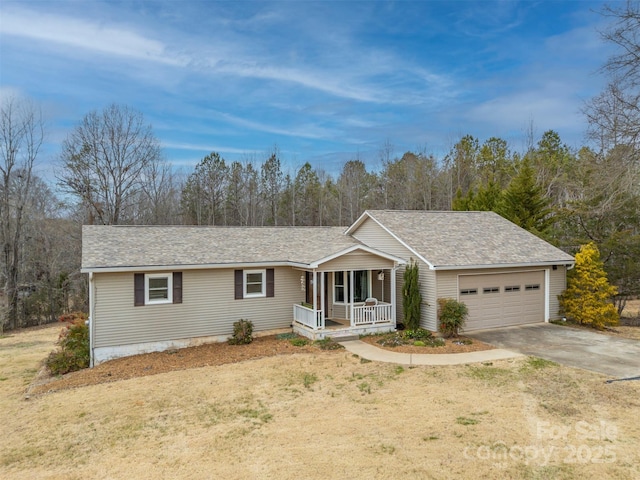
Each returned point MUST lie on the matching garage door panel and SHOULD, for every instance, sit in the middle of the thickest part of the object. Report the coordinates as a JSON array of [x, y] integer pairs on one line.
[[503, 299]]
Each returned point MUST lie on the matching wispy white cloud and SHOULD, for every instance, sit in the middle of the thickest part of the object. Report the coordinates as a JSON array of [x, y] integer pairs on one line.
[[303, 131], [85, 35], [206, 148], [360, 76]]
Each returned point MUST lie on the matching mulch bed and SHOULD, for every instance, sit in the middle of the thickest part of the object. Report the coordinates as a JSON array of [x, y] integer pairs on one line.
[[448, 347], [162, 362]]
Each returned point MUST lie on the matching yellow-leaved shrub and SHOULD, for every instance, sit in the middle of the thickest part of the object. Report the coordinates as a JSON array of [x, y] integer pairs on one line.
[[587, 299]]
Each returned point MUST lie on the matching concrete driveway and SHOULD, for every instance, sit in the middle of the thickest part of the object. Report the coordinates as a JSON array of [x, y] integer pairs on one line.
[[612, 356]]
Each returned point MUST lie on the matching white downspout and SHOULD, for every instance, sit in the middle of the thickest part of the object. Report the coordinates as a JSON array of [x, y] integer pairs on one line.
[[547, 294]]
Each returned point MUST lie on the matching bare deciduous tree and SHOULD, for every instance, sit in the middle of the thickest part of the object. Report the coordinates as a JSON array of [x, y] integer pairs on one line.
[[21, 136], [104, 159]]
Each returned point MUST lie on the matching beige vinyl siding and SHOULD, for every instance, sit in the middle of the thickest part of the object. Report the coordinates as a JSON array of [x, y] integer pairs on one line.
[[557, 285], [378, 286], [356, 261], [208, 308], [373, 235], [429, 312]]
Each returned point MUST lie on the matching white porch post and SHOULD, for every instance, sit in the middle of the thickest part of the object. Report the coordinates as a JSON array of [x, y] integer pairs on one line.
[[315, 298], [322, 300], [351, 286], [393, 293]]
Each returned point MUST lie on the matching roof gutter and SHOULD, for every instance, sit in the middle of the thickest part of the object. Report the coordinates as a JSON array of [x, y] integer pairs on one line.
[[197, 266], [568, 264]]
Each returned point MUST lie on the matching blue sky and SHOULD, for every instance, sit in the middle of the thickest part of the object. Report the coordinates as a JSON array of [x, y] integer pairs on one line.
[[325, 82]]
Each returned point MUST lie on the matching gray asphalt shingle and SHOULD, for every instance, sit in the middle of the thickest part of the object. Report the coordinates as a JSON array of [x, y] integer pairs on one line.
[[450, 239], [130, 246]]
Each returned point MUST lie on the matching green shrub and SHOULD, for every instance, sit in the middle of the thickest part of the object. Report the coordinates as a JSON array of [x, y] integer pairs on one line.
[[73, 354], [299, 342], [417, 334], [451, 316], [419, 343], [411, 296], [242, 333]]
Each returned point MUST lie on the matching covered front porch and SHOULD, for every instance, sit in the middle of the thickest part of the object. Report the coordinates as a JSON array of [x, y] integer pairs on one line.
[[352, 294]]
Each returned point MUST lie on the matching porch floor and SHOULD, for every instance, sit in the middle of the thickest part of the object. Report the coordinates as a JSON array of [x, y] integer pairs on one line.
[[337, 327]]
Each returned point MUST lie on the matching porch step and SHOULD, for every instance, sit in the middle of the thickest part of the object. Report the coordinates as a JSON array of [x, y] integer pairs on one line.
[[345, 338]]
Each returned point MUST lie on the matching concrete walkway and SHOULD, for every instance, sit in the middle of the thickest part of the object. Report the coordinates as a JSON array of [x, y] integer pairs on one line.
[[368, 351]]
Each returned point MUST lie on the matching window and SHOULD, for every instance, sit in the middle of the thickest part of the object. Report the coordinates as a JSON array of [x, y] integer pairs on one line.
[[361, 280], [491, 290], [342, 289], [530, 288], [158, 288], [469, 291], [254, 283], [512, 288], [338, 287]]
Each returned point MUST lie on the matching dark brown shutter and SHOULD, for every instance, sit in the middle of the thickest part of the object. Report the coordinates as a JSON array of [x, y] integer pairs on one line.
[[270, 283], [138, 289], [177, 287], [238, 284]]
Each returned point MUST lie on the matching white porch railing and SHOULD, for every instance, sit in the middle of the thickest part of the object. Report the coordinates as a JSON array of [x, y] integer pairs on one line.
[[308, 316], [371, 314]]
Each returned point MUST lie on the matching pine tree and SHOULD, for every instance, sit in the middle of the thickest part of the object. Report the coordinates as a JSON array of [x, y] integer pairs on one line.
[[587, 299], [411, 297], [524, 202]]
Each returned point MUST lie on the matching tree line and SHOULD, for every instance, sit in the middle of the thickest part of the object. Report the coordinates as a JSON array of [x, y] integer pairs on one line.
[[112, 171]]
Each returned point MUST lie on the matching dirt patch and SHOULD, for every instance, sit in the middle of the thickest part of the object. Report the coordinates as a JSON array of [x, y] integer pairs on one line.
[[450, 346]]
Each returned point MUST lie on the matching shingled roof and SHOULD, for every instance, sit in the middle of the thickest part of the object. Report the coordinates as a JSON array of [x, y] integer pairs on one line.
[[106, 247], [465, 239]]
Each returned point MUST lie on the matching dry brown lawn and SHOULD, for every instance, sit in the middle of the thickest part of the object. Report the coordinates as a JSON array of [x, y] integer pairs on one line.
[[318, 415]]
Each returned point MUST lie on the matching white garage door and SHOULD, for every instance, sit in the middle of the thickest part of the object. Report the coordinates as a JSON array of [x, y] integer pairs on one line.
[[500, 300]]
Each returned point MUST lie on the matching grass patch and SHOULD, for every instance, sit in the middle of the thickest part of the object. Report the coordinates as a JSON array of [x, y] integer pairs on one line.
[[535, 363], [286, 336], [487, 372], [467, 421], [299, 341], [309, 379], [364, 387]]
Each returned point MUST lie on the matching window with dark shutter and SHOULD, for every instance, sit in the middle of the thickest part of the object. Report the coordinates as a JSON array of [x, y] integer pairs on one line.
[[177, 287], [239, 285], [270, 283], [138, 289]]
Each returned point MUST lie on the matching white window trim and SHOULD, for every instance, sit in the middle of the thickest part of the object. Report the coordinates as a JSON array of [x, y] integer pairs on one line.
[[169, 299], [344, 288], [345, 283], [245, 274]]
